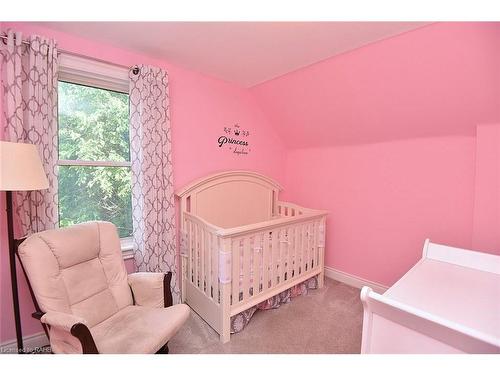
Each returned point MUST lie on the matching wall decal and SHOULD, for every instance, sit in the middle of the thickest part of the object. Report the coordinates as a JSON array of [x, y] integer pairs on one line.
[[235, 140]]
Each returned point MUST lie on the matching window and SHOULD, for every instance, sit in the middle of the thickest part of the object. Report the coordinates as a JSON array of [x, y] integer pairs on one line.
[[94, 151]]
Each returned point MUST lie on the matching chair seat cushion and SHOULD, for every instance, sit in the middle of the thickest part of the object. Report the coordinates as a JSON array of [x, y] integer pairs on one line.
[[138, 329]]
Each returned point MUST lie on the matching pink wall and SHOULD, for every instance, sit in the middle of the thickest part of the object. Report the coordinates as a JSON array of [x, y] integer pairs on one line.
[[383, 138], [486, 228], [385, 198], [200, 107]]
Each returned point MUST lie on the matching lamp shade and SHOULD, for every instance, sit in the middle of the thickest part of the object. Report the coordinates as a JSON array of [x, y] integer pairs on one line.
[[21, 168]]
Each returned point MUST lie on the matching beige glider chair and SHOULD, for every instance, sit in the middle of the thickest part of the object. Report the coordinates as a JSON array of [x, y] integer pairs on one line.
[[86, 300]]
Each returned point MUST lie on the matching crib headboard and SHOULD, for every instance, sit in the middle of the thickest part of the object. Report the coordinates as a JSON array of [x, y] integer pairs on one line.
[[230, 199]]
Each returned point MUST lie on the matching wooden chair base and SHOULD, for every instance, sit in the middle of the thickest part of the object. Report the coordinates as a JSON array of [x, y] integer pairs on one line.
[[163, 349]]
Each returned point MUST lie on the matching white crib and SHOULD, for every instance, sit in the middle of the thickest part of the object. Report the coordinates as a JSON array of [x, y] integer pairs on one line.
[[241, 246]]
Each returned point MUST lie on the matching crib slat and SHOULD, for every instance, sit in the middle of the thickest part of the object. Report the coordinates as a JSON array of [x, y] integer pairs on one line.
[[296, 244], [235, 259], [289, 249], [305, 240], [318, 241], [298, 261], [272, 259], [200, 257], [283, 248], [257, 262], [303, 245], [315, 245], [208, 264], [311, 246], [195, 255], [215, 266], [312, 262], [246, 268], [275, 260], [190, 251], [207, 261], [312, 237], [308, 246], [203, 251], [266, 260], [289, 253], [307, 266]]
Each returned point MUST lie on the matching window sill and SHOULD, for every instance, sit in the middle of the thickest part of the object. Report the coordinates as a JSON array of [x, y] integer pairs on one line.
[[127, 246]]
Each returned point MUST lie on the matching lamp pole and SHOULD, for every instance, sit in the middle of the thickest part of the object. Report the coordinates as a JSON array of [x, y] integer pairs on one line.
[[20, 170], [13, 272]]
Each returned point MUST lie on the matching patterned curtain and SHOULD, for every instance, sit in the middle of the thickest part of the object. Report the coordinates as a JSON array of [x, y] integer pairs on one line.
[[152, 179], [30, 101]]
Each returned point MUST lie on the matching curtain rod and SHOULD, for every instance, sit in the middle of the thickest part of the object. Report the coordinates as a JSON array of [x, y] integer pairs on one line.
[[135, 68]]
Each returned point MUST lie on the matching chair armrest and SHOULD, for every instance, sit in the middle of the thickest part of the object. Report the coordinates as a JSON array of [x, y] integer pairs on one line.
[[151, 289], [61, 324], [37, 315], [61, 320]]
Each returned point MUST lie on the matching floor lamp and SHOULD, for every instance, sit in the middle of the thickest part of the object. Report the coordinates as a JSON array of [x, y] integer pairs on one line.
[[20, 170]]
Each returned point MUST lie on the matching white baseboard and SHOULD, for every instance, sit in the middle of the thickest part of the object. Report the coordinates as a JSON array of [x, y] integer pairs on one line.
[[31, 343], [352, 280]]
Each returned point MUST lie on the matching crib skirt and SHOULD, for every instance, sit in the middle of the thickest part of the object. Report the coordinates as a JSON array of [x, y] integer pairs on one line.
[[241, 320]]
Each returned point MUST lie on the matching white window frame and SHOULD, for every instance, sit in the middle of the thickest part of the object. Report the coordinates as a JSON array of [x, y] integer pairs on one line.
[[94, 73]]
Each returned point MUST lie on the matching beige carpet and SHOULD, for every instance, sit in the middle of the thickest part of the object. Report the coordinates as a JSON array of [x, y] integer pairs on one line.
[[327, 320]]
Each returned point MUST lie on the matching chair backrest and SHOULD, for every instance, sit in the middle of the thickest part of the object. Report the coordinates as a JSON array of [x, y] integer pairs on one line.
[[77, 270]]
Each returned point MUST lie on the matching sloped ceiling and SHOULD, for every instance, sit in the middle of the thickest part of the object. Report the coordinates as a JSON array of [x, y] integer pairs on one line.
[[245, 53], [440, 80]]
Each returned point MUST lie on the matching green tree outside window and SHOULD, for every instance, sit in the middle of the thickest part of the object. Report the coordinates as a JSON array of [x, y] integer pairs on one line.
[[94, 127]]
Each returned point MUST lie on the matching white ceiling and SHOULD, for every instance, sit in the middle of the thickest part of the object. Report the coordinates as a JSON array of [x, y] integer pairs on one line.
[[246, 53]]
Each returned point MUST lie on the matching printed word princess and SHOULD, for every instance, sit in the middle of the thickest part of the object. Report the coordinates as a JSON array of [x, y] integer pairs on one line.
[[223, 139]]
